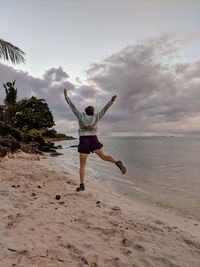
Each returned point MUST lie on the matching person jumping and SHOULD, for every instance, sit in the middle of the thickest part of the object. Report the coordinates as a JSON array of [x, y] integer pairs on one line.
[[88, 141]]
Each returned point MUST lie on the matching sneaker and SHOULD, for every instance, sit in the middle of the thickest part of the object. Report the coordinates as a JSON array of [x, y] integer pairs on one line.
[[80, 188], [121, 167]]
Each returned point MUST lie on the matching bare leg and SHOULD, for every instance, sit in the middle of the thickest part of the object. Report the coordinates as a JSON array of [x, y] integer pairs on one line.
[[100, 152], [83, 160]]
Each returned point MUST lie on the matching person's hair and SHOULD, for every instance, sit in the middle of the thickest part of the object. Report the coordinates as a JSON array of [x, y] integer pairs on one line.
[[89, 110]]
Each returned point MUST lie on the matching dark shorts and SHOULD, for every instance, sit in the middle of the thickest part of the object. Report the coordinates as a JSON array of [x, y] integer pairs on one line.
[[88, 144]]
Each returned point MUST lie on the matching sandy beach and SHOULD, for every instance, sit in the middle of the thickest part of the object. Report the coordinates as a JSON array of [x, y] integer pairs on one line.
[[45, 222]]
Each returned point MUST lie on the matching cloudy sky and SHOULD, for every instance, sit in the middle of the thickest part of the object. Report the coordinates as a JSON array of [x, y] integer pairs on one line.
[[145, 51]]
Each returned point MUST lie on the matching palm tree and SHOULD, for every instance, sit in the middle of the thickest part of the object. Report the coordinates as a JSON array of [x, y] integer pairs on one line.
[[11, 52]]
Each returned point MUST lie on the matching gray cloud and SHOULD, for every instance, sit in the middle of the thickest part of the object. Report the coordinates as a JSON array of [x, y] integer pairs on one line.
[[157, 93], [153, 89]]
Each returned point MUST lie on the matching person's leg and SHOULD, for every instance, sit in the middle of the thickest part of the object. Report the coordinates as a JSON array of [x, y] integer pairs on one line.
[[100, 152], [83, 160]]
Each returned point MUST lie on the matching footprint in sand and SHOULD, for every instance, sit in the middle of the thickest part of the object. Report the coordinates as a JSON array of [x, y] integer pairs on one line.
[[72, 248], [19, 206], [126, 242], [126, 251], [79, 254], [139, 247], [14, 220], [4, 193], [163, 261]]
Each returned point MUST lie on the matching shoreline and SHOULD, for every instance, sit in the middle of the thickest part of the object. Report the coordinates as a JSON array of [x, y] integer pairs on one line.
[[97, 227], [56, 139]]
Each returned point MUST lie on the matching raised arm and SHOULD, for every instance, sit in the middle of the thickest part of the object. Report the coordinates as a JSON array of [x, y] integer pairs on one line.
[[71, 104], [103, 111]]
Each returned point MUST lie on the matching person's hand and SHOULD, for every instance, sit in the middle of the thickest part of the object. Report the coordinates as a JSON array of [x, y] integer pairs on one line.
[[113, 98], [65, 92]]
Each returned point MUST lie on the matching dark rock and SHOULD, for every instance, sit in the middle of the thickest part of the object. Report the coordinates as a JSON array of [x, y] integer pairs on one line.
[[55, 154], [39, 186], [59, 147], [58, 197], [3, 151], [30, 149], [8, 131], [52, 150], [13, 145], [12, 139]]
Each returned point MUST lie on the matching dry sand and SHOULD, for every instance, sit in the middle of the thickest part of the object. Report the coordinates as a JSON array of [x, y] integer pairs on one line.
[[96, 227]]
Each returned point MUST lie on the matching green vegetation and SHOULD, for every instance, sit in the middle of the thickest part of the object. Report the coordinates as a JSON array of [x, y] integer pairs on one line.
[[49, 134], [31, 116], [10, 108], [35, 115], [11, 53]]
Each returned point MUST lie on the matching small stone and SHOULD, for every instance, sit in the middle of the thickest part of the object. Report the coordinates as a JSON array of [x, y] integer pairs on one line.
[[39, 186], [33, 194], [13, 185], [58, 197], [98, 202], [61, 202], [116, 208]]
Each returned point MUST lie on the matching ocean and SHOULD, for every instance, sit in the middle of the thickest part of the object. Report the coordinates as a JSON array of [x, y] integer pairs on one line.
[[163, 171]]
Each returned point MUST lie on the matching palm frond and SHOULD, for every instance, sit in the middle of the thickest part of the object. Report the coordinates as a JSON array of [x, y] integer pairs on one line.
[[11, 52]]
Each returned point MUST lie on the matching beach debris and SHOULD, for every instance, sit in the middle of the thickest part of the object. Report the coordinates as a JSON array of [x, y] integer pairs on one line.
[[15, 185], [98, 204], [58, 197]]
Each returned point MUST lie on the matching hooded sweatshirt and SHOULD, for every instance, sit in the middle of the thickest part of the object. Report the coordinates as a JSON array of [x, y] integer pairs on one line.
[[87, 123]]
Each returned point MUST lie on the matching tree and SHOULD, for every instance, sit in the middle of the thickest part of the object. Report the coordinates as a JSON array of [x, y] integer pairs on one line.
[[10, 107], [11, 52], [35, 115]]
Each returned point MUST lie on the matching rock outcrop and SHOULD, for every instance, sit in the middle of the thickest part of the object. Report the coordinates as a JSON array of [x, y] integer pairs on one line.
[[12, 139]]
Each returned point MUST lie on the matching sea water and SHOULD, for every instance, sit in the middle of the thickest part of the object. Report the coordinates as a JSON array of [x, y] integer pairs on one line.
[[164, 171]]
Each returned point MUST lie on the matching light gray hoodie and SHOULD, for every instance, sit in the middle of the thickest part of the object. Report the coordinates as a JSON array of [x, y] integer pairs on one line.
[[87, 123]]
